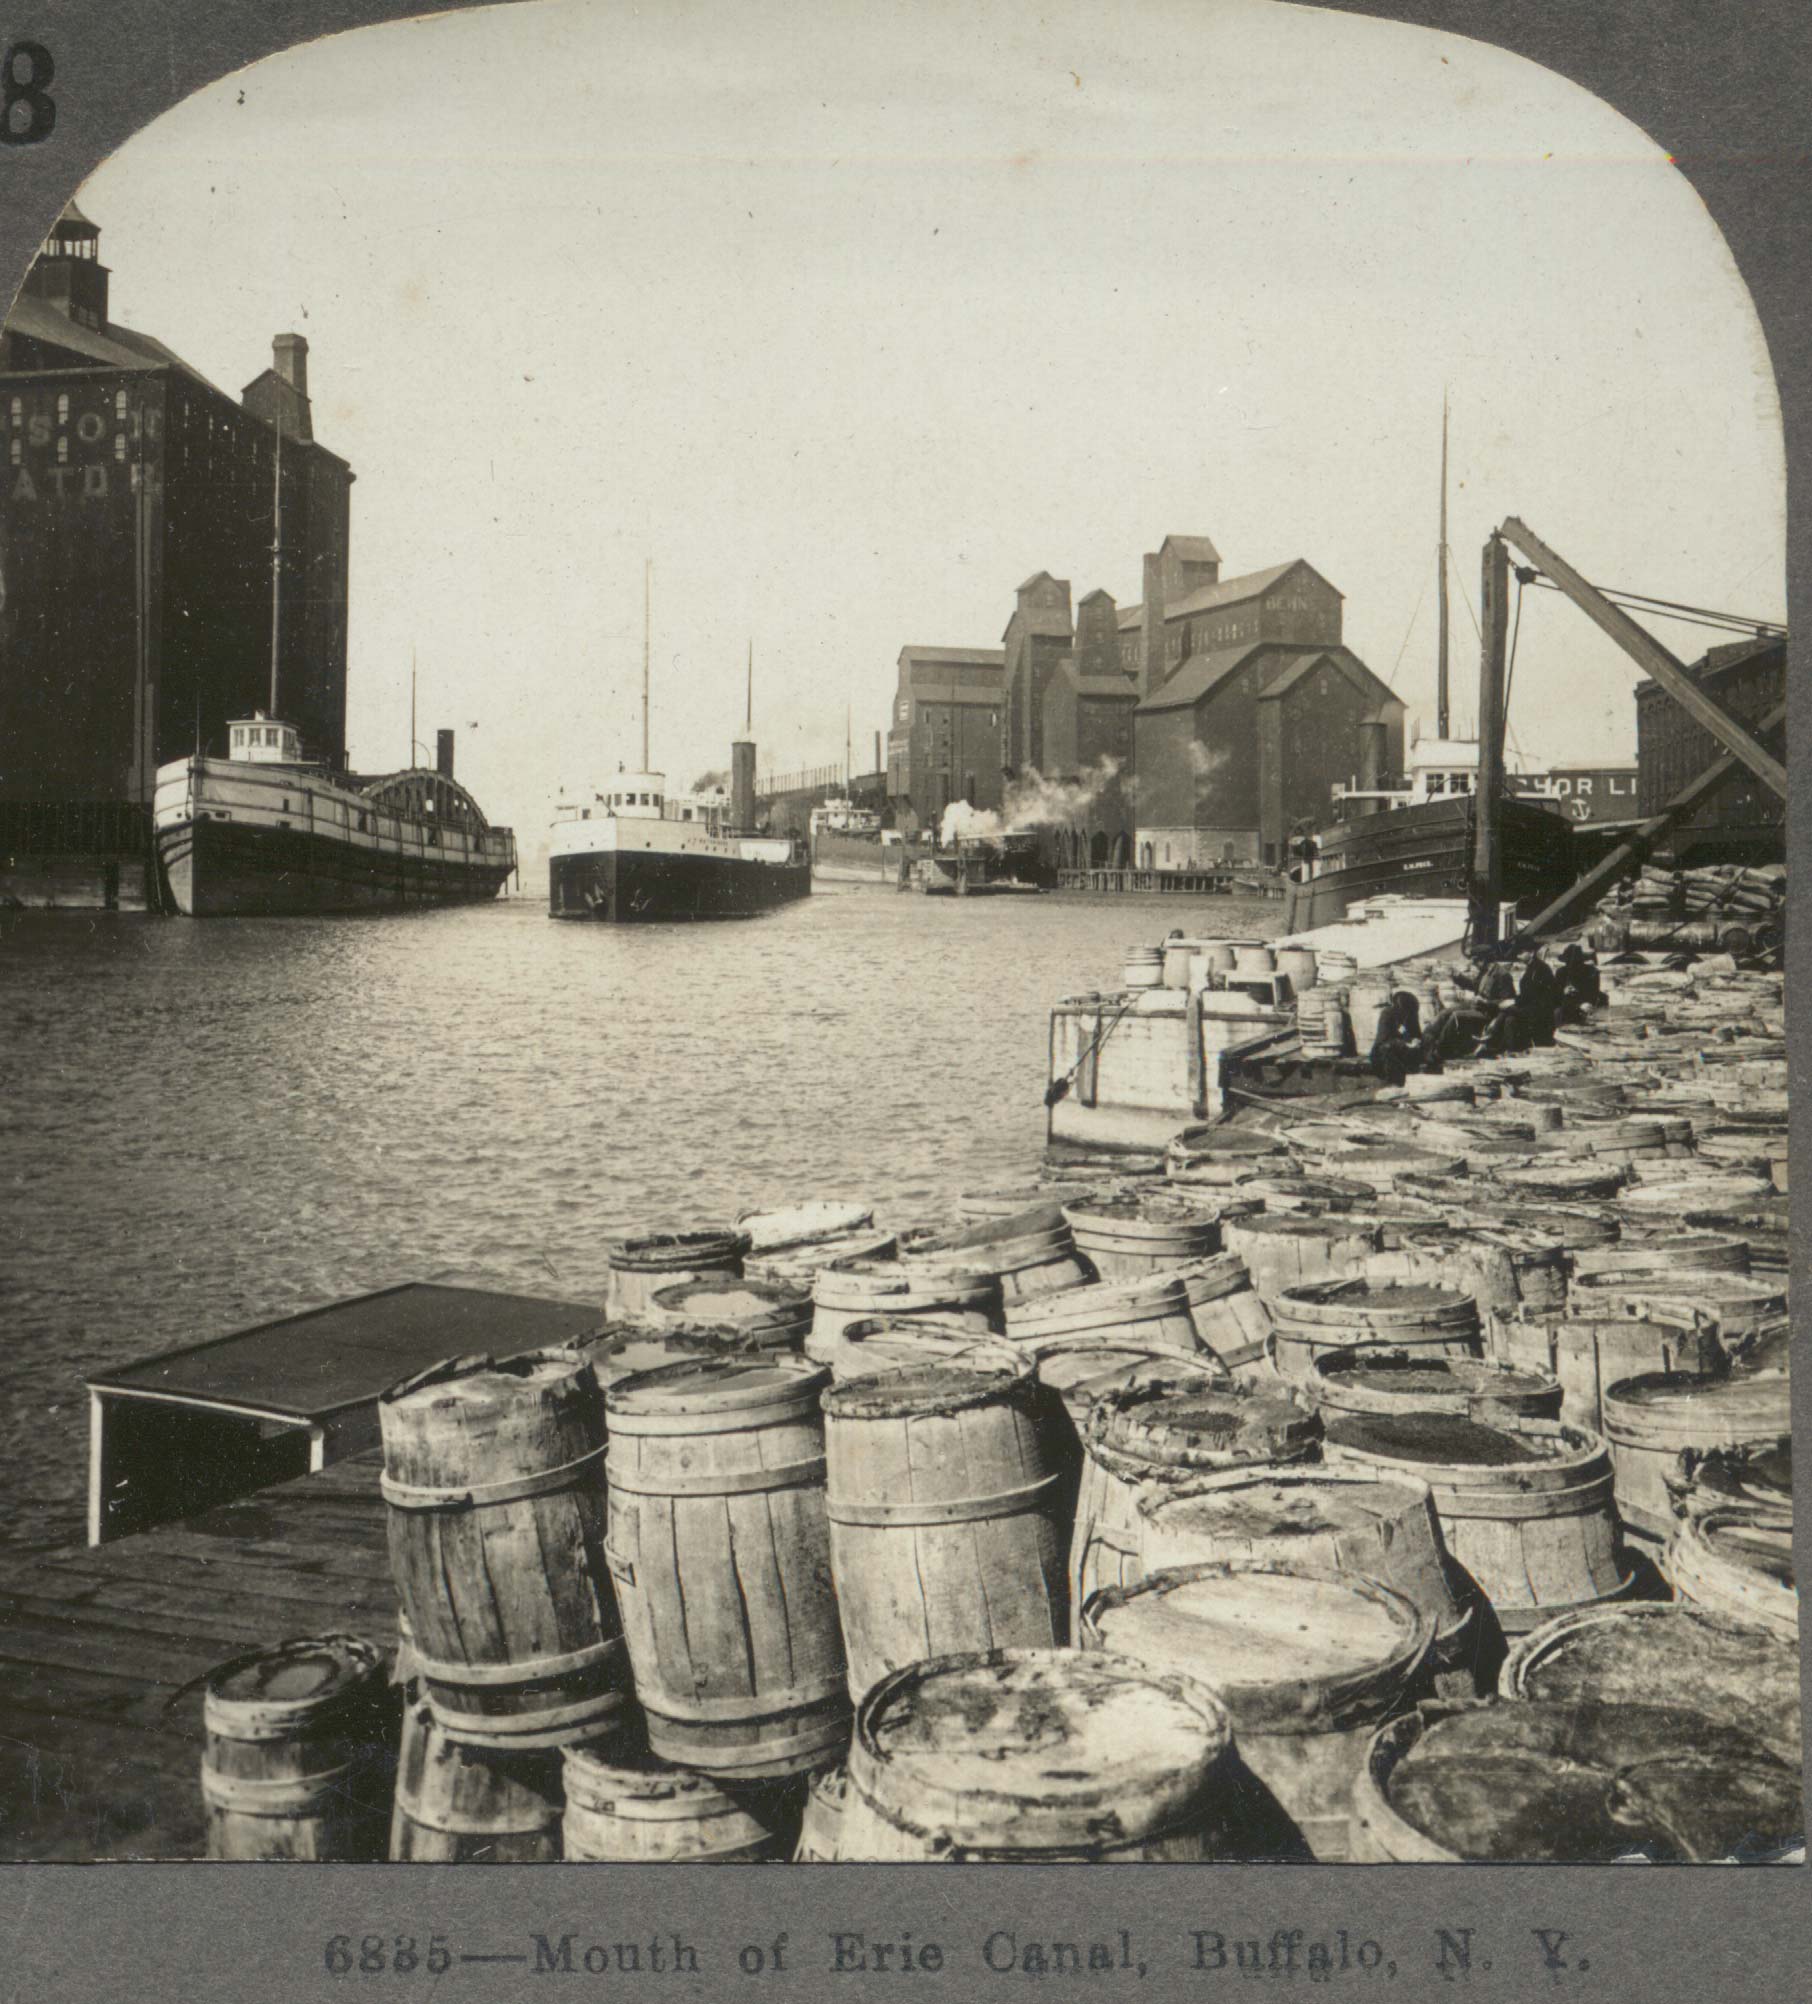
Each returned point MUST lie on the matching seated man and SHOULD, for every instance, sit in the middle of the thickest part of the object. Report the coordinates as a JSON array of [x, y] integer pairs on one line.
[[1538, 999], [1505, 1033], [1397, 1045], [1581, 991]]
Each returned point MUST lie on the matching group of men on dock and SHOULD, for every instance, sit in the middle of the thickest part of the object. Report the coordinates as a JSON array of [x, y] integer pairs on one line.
[[1500, 1011]]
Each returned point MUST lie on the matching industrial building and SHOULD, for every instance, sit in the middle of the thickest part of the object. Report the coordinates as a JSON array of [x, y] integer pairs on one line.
[[138, 591], [944, 742], [1743, 821]]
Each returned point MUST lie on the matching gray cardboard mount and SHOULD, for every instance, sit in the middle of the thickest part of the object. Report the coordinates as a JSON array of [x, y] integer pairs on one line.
[[1722, 87]]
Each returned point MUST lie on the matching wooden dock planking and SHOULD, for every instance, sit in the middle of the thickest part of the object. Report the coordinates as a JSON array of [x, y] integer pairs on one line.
[[102, 1650]]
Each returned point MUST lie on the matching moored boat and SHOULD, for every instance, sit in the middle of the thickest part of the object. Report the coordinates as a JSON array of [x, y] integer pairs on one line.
[[265, 832]]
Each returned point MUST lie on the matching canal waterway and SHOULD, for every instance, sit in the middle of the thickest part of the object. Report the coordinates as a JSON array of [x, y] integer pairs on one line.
[[207, 1124]]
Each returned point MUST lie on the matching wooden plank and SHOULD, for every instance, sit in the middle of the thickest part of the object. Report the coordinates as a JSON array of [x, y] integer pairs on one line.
[[220, 1626], [270, 1614], [91, 1646]]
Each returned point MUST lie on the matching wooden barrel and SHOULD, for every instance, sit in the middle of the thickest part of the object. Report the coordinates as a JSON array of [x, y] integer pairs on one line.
[[947, 1528], [1041, 1755], [1294, 1248], [1165, 1433], [1392, 1381], [859, 1289], [635, 1809], [1757, 1149], [1673, 1653], [885, 1342], [1575, 1227], [1352, 1523], [720, 1551], [1314, 1194], [1565, 1181], [1366, 1003], [621, 1349], [1526, 1510], [295, 1753], [495, 1509], [1309, 1662], [817, 1222], [1738, 1561], [1221, 1156], [1587, 1352], [1569, 1783], [1705, 1191], [800, 1264], [647, 1260], [1007, 1200], [1651, 1420], [1764, 1226], [1501, 1267], [1735, 1303], [1693, 1252], [1412, 1316], [1153, 1310], [762, 1314], [1178, 954], [465, 1805], [1131, 1234], [1390, 1166], [1322, 1023], [1030, 1254], [1143, 967], [1081, 1378], [1231, 1322], [821, 1827]]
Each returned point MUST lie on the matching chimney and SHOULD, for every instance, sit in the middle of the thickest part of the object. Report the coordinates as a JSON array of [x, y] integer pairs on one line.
[[1151, 628], [289, 357], [742, 783], [877, 751], [443, 753]]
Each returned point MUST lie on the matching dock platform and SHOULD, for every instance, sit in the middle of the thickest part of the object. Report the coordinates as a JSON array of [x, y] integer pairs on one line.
[[103, 1649]]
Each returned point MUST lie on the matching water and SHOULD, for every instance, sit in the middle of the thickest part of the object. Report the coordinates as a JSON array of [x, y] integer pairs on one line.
[[205, 1124]]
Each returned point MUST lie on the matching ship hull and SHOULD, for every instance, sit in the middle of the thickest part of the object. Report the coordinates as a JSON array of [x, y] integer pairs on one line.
[[1425, 851], [640, 887], [221, 869]]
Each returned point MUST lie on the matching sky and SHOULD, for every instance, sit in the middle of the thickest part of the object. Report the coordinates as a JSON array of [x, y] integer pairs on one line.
[[852, 319]]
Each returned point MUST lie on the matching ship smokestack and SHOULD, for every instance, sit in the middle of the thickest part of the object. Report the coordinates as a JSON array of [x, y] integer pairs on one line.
[[1371, 756], [443, 753], [742, 783]]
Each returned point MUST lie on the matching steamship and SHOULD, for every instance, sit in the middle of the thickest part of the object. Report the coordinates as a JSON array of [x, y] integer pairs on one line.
[[632, 853], [265, 832]]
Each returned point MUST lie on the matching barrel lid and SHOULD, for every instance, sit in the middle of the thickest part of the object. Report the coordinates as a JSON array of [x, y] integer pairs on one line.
[[731, 1301], [1292, 1647], [1759, 1472], [1439, 1439], [1761, 1404], [1059, 1732], [1589, 1783], [1404, 1297], [802, 1224], [299, 1677], [887, 1342], [1041, 1214], [1270, 1505], [1148, 1207], [661, 1245], [913, 1391], [626, 1349], [1086, 1373], [1397, 1373], [624, 1768], [1302, 1225], [717, 1384], [1671, 1653], [1756, 1542], [481, 1381], [1157, 1423], [1336, 1192]]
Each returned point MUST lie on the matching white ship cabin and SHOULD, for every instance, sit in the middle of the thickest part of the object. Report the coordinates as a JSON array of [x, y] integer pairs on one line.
[[842, 816], [1438, 769], [262, 740], [643, 796]]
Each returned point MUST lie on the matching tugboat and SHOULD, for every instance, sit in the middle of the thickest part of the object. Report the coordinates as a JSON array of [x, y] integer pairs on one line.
[[631, 853], [265, 832]]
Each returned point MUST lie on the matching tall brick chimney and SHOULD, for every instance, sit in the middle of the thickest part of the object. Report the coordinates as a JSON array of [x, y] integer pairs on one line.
[[1151, 627], [443, 753]]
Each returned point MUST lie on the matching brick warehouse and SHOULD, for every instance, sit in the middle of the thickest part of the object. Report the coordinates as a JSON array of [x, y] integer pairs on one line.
[[1743, 822], [136, 539], [944, 742]]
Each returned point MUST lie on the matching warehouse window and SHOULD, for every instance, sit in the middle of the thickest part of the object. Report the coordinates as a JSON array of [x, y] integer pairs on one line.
[[63, 451], [119, 403], [18, 412], [63, 408], [17, 455], [119, 445]]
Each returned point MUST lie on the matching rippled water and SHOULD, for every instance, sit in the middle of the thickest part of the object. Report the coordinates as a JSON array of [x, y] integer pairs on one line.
[[207, 1124]]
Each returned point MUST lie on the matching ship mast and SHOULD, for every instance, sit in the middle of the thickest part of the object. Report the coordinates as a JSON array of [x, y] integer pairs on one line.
[[1441, 589], [277, 553], [748, 712], [647, 586]]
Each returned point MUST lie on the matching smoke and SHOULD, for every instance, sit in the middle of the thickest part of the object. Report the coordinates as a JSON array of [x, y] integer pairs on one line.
[[711, 782], [1032, 801], [1203, 762]]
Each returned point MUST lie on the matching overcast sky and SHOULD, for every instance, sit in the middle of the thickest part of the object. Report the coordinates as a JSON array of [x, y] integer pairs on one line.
[[851, 319]]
